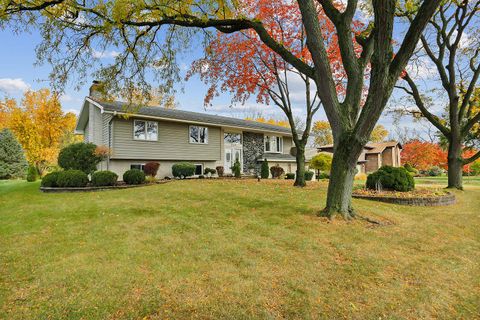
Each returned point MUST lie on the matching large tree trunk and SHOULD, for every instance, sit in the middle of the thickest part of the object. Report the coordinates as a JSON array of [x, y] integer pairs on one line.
[[455, 165], [344, 168], [300, 173]]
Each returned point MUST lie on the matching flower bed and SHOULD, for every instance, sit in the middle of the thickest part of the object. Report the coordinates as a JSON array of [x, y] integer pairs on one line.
[[420, 197], [119, 185]]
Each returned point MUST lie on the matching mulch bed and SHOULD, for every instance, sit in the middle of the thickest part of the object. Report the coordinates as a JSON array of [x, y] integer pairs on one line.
[[120, 185], [420, 197]]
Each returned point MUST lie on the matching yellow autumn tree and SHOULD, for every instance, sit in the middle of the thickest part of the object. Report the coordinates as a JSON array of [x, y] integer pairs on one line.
[[281, 123], [40, 126]]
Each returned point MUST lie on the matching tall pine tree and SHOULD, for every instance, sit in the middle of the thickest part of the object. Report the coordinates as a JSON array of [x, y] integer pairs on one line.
[[12, 159]]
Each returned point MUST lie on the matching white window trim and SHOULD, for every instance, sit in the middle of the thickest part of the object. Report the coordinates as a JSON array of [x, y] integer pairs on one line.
[[146, 124], [193, 142], [137, 164], [272, 136]]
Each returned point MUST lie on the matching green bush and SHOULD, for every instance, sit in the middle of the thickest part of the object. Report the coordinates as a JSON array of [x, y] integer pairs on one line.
[[183, 169], [475, 168], [276, 171], [435, 171], [321, 161], [134, 176], [104, 178], [72, 178], [309, 175], [209, 170], [79, 156], [265, 171], [32, 173], [290, 176], [236, 169], [323, 175], [50, 179], [391, 178]]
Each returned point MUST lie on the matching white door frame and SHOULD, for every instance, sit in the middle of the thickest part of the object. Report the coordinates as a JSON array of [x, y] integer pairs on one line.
[[232, 148]]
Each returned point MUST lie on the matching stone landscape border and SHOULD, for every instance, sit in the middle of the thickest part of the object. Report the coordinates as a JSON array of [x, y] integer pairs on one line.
[[445, 200], [91, 188]]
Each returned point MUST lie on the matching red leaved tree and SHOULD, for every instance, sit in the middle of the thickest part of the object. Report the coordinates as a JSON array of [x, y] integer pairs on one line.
[[243, 65], [423, 155]]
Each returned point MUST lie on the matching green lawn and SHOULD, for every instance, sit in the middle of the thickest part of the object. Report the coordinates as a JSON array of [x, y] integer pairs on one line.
[[442, 180], [232, 250]]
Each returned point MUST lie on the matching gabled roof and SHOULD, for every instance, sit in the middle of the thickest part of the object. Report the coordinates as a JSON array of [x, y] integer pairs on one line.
[[377, 147], [187, 116]]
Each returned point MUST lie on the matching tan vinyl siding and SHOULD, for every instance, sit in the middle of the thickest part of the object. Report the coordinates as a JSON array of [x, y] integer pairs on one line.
[[105, 122], [95, 125], [287, 145], [172, 144]]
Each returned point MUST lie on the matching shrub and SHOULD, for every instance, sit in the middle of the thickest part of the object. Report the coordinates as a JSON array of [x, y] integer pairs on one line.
[[79, 156], [209, 170], [151, 168], [134, 176], [475, 168], [309, 175], [32, 173], [236, 169], [183, 169], [323, 175], [264, 172], [276, 171], [321, 161], [150, 179], [50, 179], [391, 178], [435, 171], [12, 159], [290, 176], [72, 178], [104, 178], [220, 171], [360, 176]]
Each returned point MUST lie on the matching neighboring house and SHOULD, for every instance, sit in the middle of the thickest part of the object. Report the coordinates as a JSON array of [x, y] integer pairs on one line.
[[375, 155], [170, 136]]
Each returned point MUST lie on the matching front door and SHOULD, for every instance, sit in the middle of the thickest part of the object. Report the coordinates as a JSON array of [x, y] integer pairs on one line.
[[231, 155]]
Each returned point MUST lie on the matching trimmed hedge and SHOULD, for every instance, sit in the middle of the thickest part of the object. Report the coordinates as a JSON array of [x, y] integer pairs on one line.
[[290, 176], [323, 175], [104, 178], [50, 180], [209, 170], [276, 172], [391, 178], [309, 175], [183, 169], [236, 169], [134, 176], [79, 156], [72, 179]]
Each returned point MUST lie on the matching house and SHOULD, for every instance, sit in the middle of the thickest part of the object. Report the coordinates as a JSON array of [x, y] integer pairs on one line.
[[170, 136], [375, 155]]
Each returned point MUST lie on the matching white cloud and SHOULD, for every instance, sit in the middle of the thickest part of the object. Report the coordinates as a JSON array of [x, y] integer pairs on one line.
[[422, 69], [11, 86], [108, 54], [75, 111]]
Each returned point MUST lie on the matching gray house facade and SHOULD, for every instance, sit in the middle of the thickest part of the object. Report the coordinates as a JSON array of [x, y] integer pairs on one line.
[[136, 136]]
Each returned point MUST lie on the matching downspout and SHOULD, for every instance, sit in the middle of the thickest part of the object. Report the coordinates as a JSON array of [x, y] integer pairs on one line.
[[110, 142]]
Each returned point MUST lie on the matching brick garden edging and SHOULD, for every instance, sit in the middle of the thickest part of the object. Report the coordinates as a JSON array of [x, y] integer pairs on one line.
[[91, 188], [445, 200]]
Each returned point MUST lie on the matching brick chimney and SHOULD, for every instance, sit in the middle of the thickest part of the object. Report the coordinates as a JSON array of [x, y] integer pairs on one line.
[[97, 90]]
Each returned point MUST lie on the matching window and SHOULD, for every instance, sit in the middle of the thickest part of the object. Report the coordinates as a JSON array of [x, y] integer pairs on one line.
[[232, 138], [145, 130], [198, 134], [137, 166], [198, 169], [273, 144]]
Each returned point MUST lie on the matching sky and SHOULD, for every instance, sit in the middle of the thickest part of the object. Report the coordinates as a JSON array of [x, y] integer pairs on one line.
[[20, 72]]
